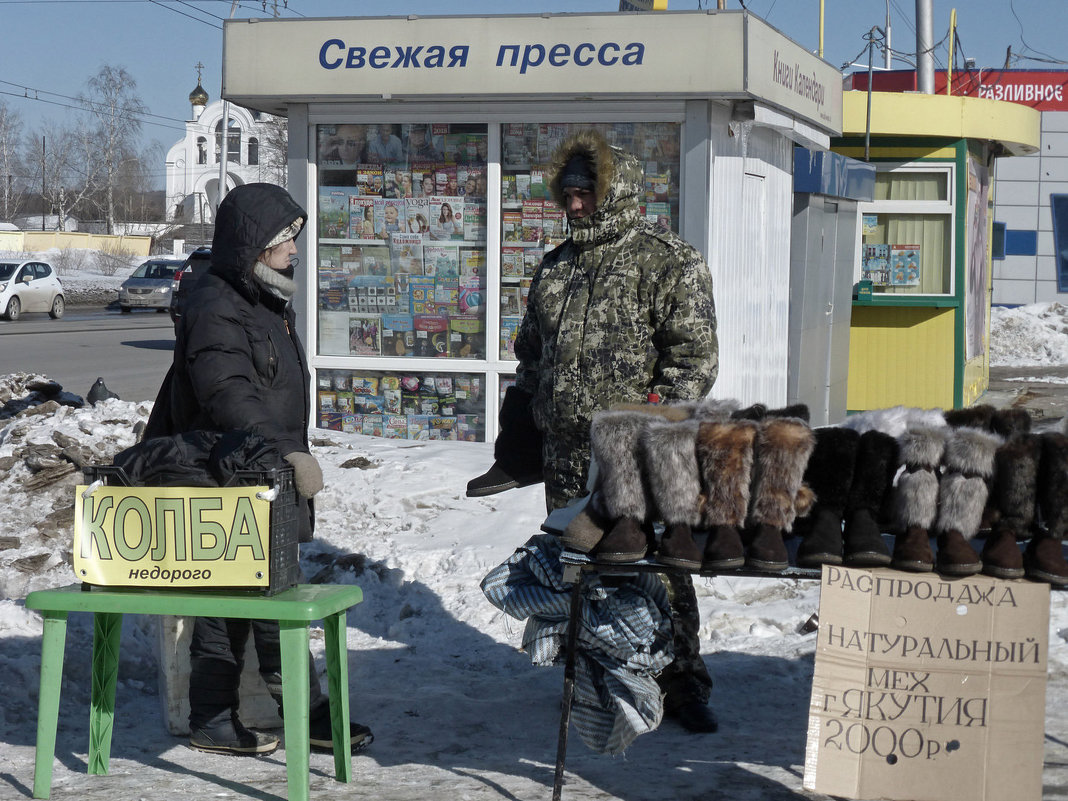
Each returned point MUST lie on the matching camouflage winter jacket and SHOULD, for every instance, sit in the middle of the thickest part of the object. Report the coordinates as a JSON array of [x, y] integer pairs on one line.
[[621, 309]]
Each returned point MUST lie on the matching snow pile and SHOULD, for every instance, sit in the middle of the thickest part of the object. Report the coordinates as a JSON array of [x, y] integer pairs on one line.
[[1031, 335]]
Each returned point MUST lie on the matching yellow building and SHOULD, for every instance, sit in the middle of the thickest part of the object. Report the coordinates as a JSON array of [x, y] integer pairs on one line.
[[921, 307]]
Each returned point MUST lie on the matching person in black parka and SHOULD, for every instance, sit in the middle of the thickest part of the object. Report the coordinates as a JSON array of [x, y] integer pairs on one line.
[[239, 366]]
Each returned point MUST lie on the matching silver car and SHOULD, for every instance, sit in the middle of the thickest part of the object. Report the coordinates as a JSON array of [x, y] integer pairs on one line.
[[29, 286], [149, 287]]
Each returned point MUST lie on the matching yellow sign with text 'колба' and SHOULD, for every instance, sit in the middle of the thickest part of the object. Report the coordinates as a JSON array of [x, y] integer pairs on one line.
[[179, 537]]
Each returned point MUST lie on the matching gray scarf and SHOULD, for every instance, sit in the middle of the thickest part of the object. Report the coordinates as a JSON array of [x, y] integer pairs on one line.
[[278, 284]]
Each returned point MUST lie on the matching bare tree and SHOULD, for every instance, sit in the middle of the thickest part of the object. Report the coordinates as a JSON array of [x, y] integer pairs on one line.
[[64, 166], [116, 109], [11, 193], [273, 149]]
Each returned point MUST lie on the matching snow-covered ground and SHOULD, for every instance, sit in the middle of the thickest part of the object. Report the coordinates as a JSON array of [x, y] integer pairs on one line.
[[458, 712]]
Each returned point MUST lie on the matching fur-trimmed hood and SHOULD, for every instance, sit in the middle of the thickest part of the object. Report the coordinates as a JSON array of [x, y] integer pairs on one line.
[[618, 187]]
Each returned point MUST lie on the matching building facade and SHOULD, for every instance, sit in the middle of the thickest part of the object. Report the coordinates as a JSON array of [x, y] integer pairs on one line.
[[255, 152]]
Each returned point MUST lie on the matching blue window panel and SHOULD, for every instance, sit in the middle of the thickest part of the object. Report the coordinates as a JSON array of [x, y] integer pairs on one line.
[[997, 241], [1021, 243], [1058, 206]]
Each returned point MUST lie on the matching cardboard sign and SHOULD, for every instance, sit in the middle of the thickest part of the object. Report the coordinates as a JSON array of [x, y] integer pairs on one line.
[[928, 688], [202, 537]]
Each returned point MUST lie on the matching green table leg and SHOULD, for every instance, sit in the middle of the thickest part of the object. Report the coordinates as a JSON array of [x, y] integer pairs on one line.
[[52, 641], [294, 641], [107, 626], [337, 671]]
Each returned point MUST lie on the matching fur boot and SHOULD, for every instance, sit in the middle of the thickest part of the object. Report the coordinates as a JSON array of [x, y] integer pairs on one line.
[[873, 477], [725, 456], [1015, 490], [615, 444], [971, 417], [778, 496], [829, 474], [921, 450], [1044, 558], [1008, 423], [962, 494], [669, 459]]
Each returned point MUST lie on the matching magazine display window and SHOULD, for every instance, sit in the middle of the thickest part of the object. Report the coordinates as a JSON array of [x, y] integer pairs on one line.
[[402, 261], [401, 225], [907, 232], [532, 223]]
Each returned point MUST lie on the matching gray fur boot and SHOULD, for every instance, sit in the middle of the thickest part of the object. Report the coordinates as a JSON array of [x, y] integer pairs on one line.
[[962, 492], [615, 444], [670, 466], [921, 450], [725, 456]]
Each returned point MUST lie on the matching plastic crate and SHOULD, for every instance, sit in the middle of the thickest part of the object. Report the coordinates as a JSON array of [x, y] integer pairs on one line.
[[284, 548]]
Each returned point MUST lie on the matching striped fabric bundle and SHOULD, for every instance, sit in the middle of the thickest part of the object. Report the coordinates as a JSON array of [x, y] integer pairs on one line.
[[624, 639]]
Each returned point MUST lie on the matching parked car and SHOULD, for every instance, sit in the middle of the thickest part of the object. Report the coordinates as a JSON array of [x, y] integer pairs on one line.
[[30, 286], [149, 287], [194, 266]]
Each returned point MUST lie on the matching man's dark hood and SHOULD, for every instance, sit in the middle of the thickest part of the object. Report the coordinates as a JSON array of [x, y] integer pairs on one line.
[[248, 219]]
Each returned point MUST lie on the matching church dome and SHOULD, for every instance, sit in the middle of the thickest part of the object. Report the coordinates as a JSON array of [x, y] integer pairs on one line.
[[198, 97]]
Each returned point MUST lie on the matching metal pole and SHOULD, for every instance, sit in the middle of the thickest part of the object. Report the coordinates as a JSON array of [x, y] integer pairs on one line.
[[886, 46], [867, 123], [925, 47], [42, 180]]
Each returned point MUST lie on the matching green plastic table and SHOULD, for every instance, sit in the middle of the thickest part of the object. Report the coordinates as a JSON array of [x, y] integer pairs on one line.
[[294, 609]]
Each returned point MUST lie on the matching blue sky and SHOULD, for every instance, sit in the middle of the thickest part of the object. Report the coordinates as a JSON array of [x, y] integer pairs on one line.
[[51, 47]]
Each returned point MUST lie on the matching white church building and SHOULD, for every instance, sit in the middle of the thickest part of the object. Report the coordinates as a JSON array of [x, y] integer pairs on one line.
[[193, 168]]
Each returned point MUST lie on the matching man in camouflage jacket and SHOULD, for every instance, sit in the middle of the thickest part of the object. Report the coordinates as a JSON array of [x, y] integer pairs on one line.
[[622, 309]]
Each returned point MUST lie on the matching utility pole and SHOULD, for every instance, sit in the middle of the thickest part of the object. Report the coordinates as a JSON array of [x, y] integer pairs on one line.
[[42, 181], [925, 47], [886, 44], [224, 146]]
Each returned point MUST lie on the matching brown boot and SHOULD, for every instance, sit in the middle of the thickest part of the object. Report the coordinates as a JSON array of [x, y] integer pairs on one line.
[[912, 551], [955, 556], [678, 548], [628, 541], [1001, 555], [724, 549], [767, 550], [1044, 561]]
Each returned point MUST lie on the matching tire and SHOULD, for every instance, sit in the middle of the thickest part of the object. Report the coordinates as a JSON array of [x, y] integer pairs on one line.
[[14, 309], [58, 307], [125, 309]]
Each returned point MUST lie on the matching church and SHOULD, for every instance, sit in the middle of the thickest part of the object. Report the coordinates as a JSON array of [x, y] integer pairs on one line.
[[255, 152]]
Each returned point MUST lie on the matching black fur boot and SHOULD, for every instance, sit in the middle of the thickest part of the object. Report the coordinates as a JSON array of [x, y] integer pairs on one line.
[[873, 478], [1044, 558], [829, 474], [1015, 490]]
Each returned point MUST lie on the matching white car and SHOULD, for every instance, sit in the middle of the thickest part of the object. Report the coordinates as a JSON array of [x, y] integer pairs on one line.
[[29, 286]]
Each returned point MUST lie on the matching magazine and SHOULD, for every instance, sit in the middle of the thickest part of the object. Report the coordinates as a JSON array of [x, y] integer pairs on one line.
[[876, 265], [511, 262], [361, 217], [512, 225], [406, 253], [510, 301], [431, 335], [418, 213], [467, 338], [509, 329], [369, 179], [531, 220], [334, 211], [365, 335], [421, 288], [389, 217], [441, 261], [398, 337], [446, 217]]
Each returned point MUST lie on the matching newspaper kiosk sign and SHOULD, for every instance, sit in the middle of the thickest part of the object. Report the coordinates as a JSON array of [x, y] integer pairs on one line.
[[928, 688], [203, 537]]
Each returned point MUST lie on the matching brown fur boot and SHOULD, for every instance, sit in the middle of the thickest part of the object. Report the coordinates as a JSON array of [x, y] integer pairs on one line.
[[1044, 558], [725, 457], [1015, 489]]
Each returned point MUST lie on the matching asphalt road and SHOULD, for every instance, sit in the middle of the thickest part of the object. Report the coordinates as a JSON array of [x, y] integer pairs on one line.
[[132, 352]]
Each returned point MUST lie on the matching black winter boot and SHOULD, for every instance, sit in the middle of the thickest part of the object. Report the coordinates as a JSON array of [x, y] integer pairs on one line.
[[1015, 490], [1044, 558], [873, 478], [516, 452], [829, 474]]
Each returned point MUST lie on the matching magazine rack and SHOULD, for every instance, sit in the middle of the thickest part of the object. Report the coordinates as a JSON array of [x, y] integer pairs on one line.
[[294, 609]]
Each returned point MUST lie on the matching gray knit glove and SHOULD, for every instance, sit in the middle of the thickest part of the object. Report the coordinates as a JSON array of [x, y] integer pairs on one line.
[[307, 475]]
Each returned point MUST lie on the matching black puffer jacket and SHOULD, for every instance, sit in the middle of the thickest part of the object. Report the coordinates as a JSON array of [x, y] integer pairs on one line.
[[238, 364]]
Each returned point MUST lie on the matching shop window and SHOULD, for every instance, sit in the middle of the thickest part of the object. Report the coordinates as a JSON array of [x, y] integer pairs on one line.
[[532, 223], [907, 232], [402, 263], [1058, 205], [403, 404], [997, 241]]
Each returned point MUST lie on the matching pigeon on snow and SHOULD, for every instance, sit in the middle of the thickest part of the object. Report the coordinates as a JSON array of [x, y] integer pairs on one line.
[[99, 392]]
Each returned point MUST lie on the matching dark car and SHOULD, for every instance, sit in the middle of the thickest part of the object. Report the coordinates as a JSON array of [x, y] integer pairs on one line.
[[184, 280]]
